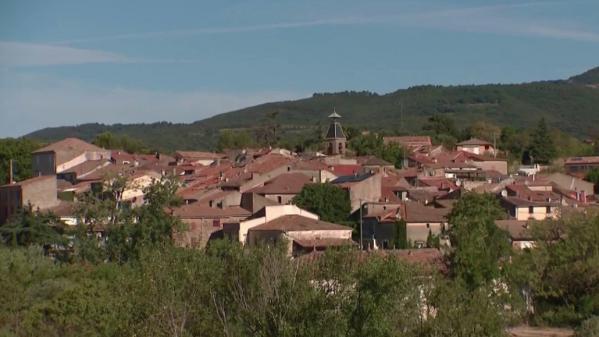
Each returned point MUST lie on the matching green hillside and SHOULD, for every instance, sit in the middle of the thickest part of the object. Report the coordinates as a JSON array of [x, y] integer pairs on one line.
[[570, 105]]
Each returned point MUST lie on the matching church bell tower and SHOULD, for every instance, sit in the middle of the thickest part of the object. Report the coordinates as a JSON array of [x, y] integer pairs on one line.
[[335, 138]]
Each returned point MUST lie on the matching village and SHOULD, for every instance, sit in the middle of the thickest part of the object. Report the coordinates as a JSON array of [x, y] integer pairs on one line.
[[248, 195]]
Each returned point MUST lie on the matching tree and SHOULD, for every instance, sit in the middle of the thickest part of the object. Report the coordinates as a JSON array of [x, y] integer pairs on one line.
[[109, 141], [401, 235], [373, 145], [234, 139], [542, 148], [593, 176], [19, 150], [28, 227], [441, 125], [330, 202], [483, 130], [480, 246], [589, 328], [563, 273]]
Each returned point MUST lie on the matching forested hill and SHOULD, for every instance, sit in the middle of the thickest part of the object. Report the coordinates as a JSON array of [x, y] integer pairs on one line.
[[571, 105]]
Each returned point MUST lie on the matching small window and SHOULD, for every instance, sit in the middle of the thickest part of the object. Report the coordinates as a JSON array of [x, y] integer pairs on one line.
[[531, 210], [279, 199], [428, 225], [548, 210]]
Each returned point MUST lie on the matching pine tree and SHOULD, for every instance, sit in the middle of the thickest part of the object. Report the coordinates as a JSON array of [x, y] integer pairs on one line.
[[542, 149]]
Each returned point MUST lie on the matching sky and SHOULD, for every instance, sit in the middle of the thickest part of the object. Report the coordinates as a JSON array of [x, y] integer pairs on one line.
[[73, 62]]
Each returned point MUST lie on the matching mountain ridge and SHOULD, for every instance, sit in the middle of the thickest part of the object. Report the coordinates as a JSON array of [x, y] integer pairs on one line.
[[571, 105]]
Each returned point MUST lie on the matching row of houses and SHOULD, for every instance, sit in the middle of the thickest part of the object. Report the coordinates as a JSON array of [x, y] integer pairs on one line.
[[247, 195]]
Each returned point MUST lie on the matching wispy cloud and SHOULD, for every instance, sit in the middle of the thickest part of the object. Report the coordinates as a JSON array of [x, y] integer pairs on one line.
[[497, 18], [500, 19], [30, 102], [33, 54]]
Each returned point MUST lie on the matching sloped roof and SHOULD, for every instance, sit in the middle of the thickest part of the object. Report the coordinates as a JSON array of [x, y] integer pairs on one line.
[[416, 212], [474, 141], [68, 149], [298, 223], [289, 183], [335, 131]]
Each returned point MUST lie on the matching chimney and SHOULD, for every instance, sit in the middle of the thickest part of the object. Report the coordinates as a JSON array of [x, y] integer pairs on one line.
[[10, 172]]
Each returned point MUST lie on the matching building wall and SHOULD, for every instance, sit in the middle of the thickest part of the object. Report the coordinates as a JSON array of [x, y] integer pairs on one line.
[[40, 193], [367, 190], [379, 232], [199, 231], [43, 164], [418, 231], [283, 199], [10, 201], [272, 212], [539, 213], [495, 165]]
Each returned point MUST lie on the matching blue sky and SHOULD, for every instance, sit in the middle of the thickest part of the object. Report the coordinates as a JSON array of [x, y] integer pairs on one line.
[[72, 62]]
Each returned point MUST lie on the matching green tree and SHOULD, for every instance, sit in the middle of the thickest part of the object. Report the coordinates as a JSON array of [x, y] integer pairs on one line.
[[401, 234], [373, 145], [234, 139], [563, 273], [19, 150], [480, 247], [29, 227], [589, 328], [542, 148], [593, 176], [115, 142], [330, 202], [441, 125]]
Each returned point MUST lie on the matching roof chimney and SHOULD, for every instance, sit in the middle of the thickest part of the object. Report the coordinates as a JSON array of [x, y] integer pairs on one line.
[[10, 172]]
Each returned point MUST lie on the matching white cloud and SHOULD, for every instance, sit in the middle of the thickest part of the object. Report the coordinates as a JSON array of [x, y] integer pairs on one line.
[[34, 54], [30, 103]]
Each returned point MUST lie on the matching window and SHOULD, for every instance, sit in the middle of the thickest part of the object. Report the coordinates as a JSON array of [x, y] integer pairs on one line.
[[428, 225], [279, 199], [531, 209], [548, 210]]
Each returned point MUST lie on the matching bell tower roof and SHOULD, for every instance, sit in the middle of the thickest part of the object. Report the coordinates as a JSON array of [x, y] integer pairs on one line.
[[335, 131]]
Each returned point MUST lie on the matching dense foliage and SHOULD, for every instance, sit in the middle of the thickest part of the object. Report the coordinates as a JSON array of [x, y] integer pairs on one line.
[[330, 202], [120, 142], [372, 145], [562, 272], [135, 282], [480, 247], [19, 150]]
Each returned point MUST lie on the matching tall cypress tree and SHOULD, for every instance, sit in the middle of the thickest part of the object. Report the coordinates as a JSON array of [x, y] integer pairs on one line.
[[542, 149]]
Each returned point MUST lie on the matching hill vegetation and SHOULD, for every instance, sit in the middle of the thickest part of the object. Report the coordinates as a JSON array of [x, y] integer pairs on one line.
[[570, 105]]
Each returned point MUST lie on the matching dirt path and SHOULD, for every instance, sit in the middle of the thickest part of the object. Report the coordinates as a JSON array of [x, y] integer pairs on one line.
[[526, 331]]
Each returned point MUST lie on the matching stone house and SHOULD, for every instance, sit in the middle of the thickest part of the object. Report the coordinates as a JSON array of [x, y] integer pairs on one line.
[[39, 192]]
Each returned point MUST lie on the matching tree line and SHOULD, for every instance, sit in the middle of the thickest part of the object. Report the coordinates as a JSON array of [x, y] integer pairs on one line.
[[62, 281]]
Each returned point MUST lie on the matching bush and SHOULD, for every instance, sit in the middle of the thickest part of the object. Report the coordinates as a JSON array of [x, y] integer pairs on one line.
[[589, 328]]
